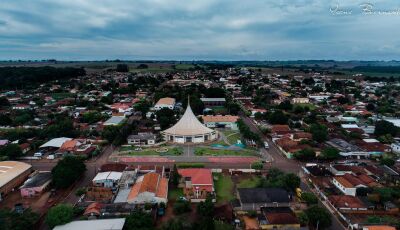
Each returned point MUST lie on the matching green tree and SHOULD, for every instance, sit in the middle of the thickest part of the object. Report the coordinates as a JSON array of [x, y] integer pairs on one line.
[[5, 120], [319, 132], [309, 198], [67, 171], [383, 127], [291, 181], [303, 218], [138, 220], [278, 117], [175, 176], [206, 208], [122, 68], [4, 102], [11, 220], [181, 206], [110, 133], [11, 151], [318, 216], [257, 165], [330, 153], [166, 117], [92, 117], [60, 214], [387, 161], [305, 154]]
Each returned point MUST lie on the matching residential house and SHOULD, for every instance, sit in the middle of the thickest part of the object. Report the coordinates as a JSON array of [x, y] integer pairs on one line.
[[166, 102], [197, 183], [346, 203], [107, 179], [219, 121], [142, 139], [255, 198], [36, 185], [211, 102], [149, 188], [300, 100], [278, 218], [280, 130], [348, 183]]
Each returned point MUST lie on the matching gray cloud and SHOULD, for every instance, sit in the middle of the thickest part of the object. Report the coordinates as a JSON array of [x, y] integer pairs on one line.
[[204, 29]]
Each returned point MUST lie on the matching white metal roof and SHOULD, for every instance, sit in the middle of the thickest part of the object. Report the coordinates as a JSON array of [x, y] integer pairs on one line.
[[107, 176], [188, 125], [102, 224], [114, 120], [10, 170], [56, 142]]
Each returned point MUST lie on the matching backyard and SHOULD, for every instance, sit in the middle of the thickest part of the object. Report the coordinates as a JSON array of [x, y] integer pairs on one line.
[[223, 187]]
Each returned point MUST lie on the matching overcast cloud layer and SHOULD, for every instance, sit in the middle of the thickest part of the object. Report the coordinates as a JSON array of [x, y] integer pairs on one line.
[[194, 30]]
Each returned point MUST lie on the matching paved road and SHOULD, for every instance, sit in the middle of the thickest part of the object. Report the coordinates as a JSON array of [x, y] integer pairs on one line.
[[285, 164], [92, 167]]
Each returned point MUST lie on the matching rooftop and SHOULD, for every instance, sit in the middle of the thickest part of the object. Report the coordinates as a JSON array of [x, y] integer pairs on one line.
[[263, 195], [38, 180], [166, 101], [10, 170], [188, 125], [102, 224]]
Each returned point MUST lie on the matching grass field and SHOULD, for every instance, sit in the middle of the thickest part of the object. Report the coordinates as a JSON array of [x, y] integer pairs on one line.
[[203, 151], [176, 151], [224, 188], [252, 182]]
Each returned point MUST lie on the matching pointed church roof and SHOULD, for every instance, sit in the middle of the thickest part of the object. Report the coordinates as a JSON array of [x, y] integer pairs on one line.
[[188, 125]]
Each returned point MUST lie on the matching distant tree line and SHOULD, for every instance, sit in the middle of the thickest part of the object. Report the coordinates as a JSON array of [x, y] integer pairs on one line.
[[21, 77]]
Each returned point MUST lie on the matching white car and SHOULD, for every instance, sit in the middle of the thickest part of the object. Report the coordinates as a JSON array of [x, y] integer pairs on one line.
[[266, 145]]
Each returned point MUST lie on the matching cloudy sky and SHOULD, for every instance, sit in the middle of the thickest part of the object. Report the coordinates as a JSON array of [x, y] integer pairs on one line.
[[200, 30]]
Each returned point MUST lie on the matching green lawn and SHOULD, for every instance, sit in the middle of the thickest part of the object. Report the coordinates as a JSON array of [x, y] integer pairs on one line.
[[224, 188], [173, 194], [203, 151], [252, 182], [234, 138], [176, 151]]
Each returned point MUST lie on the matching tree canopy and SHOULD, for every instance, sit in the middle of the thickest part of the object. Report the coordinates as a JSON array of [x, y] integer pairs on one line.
[[60, 214], [139, 220], [383, 127], [10, 151], [318, 216], [67, 171], [11, 220]]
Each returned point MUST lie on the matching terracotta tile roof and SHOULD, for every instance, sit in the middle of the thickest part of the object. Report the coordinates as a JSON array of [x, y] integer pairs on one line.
[[280, 129], [281, 218], [220, 118], [345, 201], [302, 135], [343, 182], [93, 208], [69, 145], [150, 183], [162, 190], [380, 227], [166, 101], [198, 176], [134, 191]]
